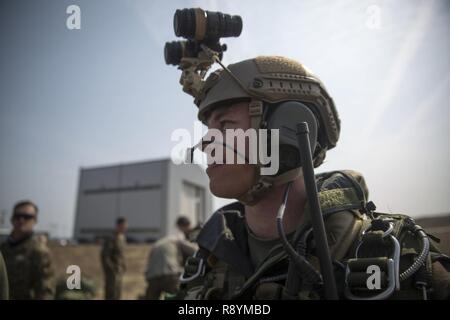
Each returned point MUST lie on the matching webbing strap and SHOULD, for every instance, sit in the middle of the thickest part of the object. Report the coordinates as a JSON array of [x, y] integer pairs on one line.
[[266, 182], [338, 200], [255, 110]]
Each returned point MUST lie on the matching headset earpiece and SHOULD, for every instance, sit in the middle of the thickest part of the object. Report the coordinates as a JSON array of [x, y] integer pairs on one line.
[[285, 117]]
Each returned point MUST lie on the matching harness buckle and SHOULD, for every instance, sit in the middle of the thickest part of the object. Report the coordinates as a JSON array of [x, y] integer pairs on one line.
[[389, 266], [255, 108], [200, 270]]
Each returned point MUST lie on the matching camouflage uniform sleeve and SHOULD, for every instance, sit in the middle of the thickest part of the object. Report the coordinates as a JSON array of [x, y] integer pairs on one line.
[[113, 255], [4, 290], [106, 254], [43, 285], [121, 256]]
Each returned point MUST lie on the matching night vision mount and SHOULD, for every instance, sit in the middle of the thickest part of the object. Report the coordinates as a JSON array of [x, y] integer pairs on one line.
[[202, 48]]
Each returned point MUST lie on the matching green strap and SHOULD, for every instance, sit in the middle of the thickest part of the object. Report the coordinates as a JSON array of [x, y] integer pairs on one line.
[[338, 200]]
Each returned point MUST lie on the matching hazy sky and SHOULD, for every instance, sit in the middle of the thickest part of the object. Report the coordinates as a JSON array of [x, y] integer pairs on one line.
[[103, 94]]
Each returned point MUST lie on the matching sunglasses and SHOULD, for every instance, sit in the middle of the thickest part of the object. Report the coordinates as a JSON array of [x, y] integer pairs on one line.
[[25, 216]]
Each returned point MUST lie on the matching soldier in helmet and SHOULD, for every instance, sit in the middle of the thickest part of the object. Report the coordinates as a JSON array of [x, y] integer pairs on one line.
[[241, 255], [113, 260], [28, 261]]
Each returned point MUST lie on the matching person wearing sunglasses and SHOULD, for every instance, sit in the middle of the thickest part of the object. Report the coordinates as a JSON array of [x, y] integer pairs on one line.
[[28, 261]]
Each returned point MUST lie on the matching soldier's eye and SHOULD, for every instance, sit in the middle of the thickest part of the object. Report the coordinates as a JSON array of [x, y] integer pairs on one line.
[[226, 124]]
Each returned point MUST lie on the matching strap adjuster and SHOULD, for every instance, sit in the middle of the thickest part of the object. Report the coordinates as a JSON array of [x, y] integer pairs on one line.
[[200, 271], [255, 108]]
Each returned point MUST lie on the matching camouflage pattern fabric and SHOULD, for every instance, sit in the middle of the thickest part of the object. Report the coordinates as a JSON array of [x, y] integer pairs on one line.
[[4, 289], [114, 266], [29, 267]]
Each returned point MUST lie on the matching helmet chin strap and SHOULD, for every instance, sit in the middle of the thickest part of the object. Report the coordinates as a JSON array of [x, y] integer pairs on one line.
[[263, 183]]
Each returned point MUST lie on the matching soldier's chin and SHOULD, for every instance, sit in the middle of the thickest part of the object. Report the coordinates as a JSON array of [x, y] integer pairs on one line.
[[230, 180]]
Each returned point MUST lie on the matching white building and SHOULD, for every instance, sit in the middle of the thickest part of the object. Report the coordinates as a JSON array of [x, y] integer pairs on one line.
[[151, 195]]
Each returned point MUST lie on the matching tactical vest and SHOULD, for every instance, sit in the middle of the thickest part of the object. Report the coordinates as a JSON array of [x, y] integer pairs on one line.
[[375, 255]]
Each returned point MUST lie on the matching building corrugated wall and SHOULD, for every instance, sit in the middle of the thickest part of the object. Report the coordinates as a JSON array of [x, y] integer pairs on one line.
[[151, 195]]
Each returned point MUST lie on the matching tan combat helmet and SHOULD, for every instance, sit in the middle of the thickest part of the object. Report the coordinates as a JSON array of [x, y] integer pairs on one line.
[[267, 81]]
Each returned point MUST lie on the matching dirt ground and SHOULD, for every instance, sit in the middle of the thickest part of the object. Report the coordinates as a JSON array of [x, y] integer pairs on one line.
[[87, 257]]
